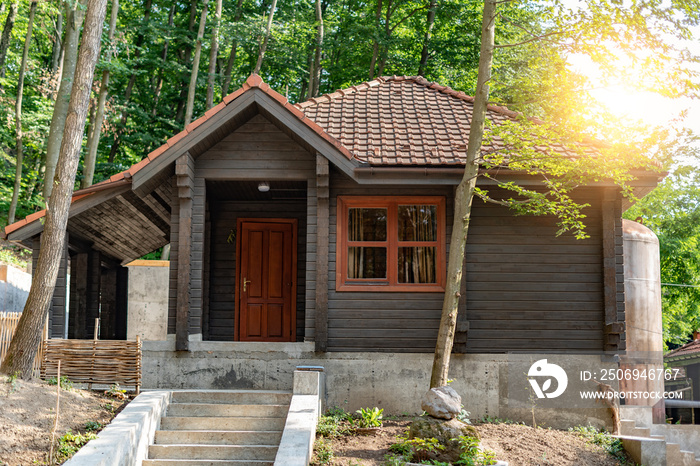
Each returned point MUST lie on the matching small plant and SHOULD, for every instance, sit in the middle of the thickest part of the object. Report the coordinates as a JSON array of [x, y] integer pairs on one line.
[[70, 443], [323, 451], [115, 391], [14, 384], [601, 438], [93, 426], [335, 423], [422, 447], [370, 417], [66, 384], [463, 416], [392, 459], [471, 454]]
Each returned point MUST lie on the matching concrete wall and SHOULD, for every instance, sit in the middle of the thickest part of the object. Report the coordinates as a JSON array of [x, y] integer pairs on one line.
[[393, 381], [14, 288], [148, 300]]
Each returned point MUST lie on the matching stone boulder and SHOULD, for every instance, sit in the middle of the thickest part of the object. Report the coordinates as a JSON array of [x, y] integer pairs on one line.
[[446, 432], [442, 402]]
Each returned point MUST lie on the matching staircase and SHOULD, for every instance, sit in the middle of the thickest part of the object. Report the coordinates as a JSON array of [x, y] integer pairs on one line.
[[653, 450], [220, 428]]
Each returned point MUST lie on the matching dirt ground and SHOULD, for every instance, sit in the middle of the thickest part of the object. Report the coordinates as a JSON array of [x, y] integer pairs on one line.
[[519, 445], [28, 411]]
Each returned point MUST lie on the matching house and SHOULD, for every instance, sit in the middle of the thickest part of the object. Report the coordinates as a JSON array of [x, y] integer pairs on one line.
[[317, 233], [686, 359]]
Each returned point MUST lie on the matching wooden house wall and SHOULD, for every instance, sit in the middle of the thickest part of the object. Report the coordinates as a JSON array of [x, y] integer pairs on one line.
[[259, 151], [222, 282], [527, 290]]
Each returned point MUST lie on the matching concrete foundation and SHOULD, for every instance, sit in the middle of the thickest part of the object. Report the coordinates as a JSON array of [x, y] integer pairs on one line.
[[393, 381], [148, 300], [14, 288]]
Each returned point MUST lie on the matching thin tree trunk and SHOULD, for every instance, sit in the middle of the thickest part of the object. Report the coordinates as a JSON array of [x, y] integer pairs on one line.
[[25, 342], [74, 20], [18, 116], [195, 65], [132, 80], [186, 53], [428, 34], [94, 139], [263, 45], [58, 40], [315, 69], [7, 35], [232, 55], [213, 54], [375, 45], [463, 203], [159, 81]]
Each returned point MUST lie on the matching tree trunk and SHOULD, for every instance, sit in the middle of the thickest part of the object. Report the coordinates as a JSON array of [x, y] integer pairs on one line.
[[426, 41], [463, 203], [375, 44], [25, 342], [7, 35], [58, 40], [263, 46], [232, 55], [213, 54], [315, 69], [186, 53], [132, 80], [94, 137], [195, 65], [18, 116], [159, 81], [74, 20]]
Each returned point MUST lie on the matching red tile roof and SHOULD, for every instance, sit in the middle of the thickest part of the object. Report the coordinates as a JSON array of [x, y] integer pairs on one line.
[[691, 349], [400, 120]]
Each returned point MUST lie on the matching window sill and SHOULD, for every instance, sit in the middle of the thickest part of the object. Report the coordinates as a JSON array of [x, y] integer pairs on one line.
[[377, 288]]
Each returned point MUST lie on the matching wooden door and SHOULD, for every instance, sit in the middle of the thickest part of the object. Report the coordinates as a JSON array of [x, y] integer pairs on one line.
[[266, 280]]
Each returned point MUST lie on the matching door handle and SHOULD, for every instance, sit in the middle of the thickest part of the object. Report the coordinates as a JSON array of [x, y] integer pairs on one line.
[[245, 284]]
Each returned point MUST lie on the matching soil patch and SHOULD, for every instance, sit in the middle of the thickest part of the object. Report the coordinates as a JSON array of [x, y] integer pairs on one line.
[[519, 445], [28, 411]]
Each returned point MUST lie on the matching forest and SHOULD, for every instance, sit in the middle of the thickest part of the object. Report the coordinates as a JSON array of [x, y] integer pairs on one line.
[[163, 63]]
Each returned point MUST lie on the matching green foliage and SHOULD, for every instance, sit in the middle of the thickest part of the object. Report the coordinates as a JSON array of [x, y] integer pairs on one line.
[[116, 391], [370, 417], [603, 439], [14, 256], [470, 453], [93, 426], [335, 423], [66, 384], [70, 443], [672, 211], [422, 447], [323, 452]]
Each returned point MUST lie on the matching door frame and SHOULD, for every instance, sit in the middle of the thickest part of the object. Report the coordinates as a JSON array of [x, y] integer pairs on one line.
[[237, 298]]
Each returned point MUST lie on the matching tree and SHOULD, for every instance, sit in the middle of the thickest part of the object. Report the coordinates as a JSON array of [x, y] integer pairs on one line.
[[71, 39], [7, 35], [232, 53], [315, 69], [213, 54], [23, 348], [266, 37], [19, 158], [195, 65], [430, 23]]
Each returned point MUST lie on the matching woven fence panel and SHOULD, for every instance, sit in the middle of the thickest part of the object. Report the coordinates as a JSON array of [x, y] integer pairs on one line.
[[94, 361], [8, 325]]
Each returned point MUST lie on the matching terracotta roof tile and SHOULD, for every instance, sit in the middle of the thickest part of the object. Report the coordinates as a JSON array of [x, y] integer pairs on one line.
[[192, 126], [157, 152], [173, 140], [692, 348]]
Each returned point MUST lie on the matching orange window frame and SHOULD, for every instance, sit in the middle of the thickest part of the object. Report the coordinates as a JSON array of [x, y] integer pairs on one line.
[[392, 243]]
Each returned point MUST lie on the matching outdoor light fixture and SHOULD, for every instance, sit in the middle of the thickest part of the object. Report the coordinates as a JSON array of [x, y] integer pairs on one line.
[[263, 186]]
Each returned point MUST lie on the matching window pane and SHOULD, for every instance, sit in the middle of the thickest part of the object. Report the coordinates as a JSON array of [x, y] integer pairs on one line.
[[366, 262], [417, 265], [367, 224], [417, 223]]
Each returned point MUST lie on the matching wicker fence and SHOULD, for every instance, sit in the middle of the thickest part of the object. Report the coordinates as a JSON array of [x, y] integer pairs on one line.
[[94, 361], [8, 324]]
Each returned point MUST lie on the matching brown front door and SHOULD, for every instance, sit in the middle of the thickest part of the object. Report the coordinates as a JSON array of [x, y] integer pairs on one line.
[[266, 280]]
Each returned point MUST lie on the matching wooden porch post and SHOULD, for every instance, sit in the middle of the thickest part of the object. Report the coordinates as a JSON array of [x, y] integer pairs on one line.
[[613, 272], [94, 270], [322, 231], [57, 312], [184, 171]]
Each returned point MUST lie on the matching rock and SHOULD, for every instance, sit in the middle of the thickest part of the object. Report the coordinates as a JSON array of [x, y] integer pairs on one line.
[[442, 402], [446, 432]]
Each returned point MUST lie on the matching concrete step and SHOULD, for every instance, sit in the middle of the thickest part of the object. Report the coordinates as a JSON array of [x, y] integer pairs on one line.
[[226, 410], [222, 423], [213, 452], [218, 437], [242, 397], [207, 463], [645, 450], [627, 427]]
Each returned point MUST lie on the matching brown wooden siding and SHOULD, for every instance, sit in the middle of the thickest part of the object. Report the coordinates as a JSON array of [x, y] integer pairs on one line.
[[381, 321], [527, 290]]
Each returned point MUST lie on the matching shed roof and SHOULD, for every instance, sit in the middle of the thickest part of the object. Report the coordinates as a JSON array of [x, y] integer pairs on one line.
[[690, 350]]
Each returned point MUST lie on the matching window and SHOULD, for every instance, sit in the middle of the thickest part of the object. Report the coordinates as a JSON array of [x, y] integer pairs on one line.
[[391, 243]]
